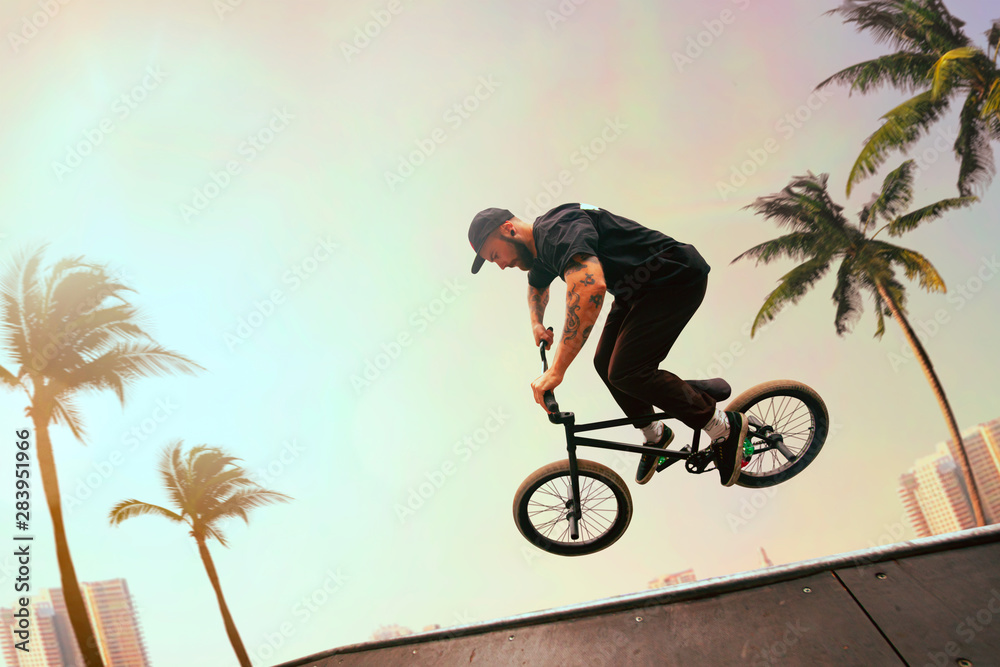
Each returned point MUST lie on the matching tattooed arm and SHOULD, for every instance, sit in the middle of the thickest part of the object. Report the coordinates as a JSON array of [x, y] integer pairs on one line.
[[585, 292], [537, 300]]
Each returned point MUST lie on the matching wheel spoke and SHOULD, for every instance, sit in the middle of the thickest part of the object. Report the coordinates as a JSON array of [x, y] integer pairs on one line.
[[548, 511], [788, 416]]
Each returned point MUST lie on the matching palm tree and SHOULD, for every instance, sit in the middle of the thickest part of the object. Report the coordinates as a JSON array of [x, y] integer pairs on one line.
[[820, 234], [68, 332], [936, 60], [206, 486]]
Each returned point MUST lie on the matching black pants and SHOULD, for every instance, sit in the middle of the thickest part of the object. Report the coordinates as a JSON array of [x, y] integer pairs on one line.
[[637, 336]]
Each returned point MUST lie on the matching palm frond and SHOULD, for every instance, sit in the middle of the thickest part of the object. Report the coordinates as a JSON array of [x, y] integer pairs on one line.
[[7, 378], [18, 287], [896, 193], [126, 362], [127, 509], [847, 298], [913, 219], [65, 412], [797, 246], [903, 125], [792, 287], [213, 532], [239, 503], [991, 103], [173, 473], [924, 26], [976, 167], [904, 71], [993, 36], [915, 265], [947, 70], [897, 293], [805, 206], [212, 491]]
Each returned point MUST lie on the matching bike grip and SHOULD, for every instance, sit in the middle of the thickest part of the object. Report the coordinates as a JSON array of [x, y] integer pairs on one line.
[[550, 401]]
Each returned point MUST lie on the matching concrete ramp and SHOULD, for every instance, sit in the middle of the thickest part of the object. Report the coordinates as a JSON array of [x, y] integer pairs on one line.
[[930, 602]]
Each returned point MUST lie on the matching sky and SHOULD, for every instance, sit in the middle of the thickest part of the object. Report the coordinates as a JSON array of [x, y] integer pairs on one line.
[[288, 189]]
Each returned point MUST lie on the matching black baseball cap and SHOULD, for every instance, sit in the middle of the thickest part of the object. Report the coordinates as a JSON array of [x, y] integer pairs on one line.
[[482, 226]]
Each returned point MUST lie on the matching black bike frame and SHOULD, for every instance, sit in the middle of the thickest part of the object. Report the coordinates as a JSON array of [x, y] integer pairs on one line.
[[568, 420]]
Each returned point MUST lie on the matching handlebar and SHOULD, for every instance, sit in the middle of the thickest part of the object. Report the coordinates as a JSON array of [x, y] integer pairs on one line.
[[548, 397]]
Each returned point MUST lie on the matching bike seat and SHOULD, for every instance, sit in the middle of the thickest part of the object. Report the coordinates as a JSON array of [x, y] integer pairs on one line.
[[717, 388]]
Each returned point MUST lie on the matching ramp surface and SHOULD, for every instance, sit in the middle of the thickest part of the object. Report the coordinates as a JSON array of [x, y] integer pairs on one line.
[[930, 602]]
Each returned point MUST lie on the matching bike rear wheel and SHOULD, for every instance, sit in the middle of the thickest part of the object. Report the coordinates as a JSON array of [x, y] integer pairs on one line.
[[542, 507], [788, 409]]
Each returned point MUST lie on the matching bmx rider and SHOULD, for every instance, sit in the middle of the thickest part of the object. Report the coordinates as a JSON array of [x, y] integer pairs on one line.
[[657, 283]]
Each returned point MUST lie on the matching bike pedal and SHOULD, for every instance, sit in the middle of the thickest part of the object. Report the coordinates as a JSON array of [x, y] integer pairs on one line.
[[664, 462]]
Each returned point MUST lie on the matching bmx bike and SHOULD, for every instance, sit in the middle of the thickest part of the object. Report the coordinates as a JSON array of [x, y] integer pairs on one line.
[[576, 507]]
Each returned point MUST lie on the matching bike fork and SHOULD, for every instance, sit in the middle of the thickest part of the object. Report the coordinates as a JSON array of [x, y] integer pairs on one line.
[[573, 504]]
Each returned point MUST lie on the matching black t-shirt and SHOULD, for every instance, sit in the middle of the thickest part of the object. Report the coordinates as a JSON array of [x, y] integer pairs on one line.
[[632, 256]]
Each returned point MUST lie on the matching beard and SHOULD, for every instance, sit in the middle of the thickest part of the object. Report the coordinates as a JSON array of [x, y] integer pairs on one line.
[[524, 260]]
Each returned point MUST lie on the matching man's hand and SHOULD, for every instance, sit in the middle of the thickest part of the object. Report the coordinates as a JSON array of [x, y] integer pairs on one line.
[[547, 381], [541, 333]]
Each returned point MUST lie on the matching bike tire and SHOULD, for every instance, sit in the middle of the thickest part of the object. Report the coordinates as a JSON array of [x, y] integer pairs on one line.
[[807, 438], [551, 483]]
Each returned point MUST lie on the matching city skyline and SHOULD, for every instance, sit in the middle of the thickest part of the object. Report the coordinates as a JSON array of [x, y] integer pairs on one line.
[[111, 611], [933, 492]]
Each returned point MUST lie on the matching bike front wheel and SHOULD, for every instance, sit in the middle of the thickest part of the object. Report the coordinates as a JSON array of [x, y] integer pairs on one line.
[[542, 507], [788, 426]]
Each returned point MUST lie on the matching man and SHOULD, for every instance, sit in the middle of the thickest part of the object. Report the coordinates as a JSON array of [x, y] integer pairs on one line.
[[658, 284]]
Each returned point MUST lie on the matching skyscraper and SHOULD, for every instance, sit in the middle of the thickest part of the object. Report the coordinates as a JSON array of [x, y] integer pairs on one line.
[[116, 624], [934, 495], [53, 644], [982, 445], [43, 646], [673, 579]]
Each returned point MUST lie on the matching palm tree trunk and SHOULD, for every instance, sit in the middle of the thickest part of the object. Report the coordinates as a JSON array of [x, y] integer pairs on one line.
[[75, 606], [213, 576], [925, 363]]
